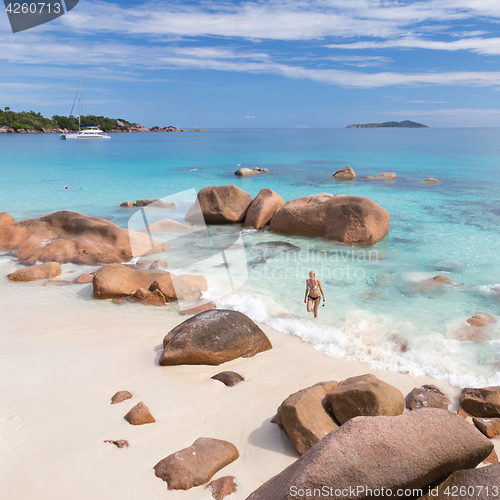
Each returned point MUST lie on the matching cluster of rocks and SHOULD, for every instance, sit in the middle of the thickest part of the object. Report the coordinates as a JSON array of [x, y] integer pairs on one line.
[[150, 203], [348, 174], [341, 428], [245, 172], [347, 219]]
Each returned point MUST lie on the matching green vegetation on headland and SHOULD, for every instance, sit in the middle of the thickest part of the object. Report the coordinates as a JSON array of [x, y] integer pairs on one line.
[[31, 122], [403, 124]]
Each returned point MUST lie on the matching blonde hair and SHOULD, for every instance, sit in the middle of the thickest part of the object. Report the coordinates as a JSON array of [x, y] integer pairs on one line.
[[312, 272]]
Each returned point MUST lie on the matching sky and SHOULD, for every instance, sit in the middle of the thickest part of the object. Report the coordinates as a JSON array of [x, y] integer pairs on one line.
[[276, 63]]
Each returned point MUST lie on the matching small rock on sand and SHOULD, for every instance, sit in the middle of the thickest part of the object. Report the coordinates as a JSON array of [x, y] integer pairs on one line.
[[139, 415], [121, 443], [228, 378], [121, 396], [222, 487]]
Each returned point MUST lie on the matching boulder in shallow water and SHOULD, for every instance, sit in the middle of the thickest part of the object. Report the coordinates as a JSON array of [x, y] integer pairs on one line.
[[413, 450], [72, 237], [481, 319], [85, 278], [262, 208], [469, 484], [431, 180], [5, 218], [245, 172], [436, 284], [348, 219], [386, 176], [306, 416], [365, 395], [195, 465], [139, 415], [155, 203], [220, 205], [427, 396], [127, 204], [346, 174], [481, 402], [45, 271], [213, 337]]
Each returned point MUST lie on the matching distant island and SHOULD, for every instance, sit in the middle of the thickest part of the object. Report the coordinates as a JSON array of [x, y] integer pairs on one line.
[[31, 122], [403, 124]]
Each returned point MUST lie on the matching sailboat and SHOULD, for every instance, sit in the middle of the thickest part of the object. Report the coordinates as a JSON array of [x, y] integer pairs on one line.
[[88, 133]]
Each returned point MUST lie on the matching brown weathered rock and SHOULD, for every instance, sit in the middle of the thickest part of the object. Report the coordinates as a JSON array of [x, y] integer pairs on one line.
[[213, 337], [431, 180], [85, 278], [245, 172], [461, 413], [127, 204], [220, 205], [139, 415], [154, 298], [492, 458], [426, 397], [222, 487], [481, 319], [483, 402], [71, 237], [436, 284], [262, 208], [118, 280], [306, 416], [121, 396], [228, 378], [470, 484], [5, 218], [38, 272], [204, 305], [490, 427], [408, 451], [348, 219], [365, 395], [346, 173], [386, 176], [121, 443], [197, 464]]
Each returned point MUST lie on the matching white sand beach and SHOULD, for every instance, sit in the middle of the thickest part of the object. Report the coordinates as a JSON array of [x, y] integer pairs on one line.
[[63, 355]]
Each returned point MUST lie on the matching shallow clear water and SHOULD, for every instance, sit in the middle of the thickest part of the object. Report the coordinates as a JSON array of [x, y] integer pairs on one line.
[[449, 228]]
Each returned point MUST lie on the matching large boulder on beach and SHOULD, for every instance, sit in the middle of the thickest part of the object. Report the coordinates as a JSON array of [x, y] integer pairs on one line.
[[413, 450], [262, 208], [45, 271], [365, 395], [119, 280], [346, 174], [481, 402], [220, 205], [306, 416], [427, 396], [72, 237], [5, 218], [469, 484], [213, 337], [348, 219], [197, 464]]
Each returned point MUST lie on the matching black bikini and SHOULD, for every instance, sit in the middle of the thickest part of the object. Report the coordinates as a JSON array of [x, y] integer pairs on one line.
[[313, 288]]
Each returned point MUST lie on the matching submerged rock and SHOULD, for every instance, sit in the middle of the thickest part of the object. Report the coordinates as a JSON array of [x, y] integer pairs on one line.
[[436, 284], [262, 208], [346, 173], [195, 465], [431, 180], [408, 451], [348, 219], [48, 270], [306, 416], [220, 205], [365, 395], [213, 337], [386, 176], [481, 319], [72, 237]]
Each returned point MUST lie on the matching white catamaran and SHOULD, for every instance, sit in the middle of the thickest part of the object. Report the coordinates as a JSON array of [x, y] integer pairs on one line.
[[88, 133]]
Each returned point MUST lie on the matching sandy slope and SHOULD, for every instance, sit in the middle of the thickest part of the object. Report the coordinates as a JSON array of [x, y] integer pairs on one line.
[[62, 357]]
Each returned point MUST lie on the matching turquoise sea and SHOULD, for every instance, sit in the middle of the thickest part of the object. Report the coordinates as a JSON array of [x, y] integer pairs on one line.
[[450, 228]]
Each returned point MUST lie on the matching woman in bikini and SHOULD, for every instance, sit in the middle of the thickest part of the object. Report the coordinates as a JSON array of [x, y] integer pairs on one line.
[[313, 296]]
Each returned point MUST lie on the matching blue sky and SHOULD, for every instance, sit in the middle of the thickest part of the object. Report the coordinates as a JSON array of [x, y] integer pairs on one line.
[[283, 63]]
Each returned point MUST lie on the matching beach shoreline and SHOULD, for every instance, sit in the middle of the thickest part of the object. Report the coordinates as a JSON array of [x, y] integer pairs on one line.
[[64, 355]]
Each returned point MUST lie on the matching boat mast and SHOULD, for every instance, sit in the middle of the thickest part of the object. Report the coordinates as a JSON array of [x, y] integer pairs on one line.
[[79, 98]]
